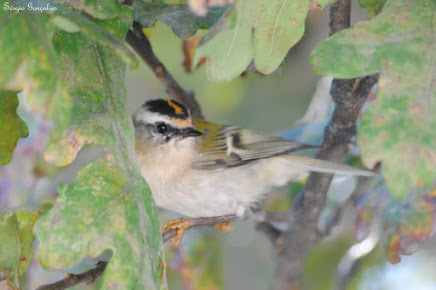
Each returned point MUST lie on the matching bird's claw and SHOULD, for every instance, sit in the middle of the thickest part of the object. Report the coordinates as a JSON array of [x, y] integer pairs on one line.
[[224, 227], [180, 225]]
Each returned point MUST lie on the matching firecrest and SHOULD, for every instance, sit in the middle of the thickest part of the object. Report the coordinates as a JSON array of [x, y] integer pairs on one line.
[[202, 169]]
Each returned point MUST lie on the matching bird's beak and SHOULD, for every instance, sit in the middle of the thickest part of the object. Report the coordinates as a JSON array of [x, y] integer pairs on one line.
[[190, 132]]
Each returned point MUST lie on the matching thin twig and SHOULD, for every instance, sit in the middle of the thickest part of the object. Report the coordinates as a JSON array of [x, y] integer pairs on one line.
[[71, 280], [139, 42]]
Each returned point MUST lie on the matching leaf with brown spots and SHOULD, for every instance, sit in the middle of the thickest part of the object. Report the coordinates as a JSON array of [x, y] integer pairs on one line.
[[109, 205], [100, 211], [399, 126], [405, 223]]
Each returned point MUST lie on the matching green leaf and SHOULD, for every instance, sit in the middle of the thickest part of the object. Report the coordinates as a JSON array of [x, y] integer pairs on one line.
[[16, 241], [98, 76], [32, 65], [108, 32], [181, 19], [99, 211], [399, 126], [259, 30], [386, 43], [11, 126], [278, 26], [121, 214], [323, 3], [28, 65], [373, 6], [96, 8], [231, 50]]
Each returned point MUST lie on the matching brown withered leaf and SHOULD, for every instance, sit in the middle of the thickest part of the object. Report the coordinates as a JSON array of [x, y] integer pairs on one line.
[[189, 46], [405, 223]]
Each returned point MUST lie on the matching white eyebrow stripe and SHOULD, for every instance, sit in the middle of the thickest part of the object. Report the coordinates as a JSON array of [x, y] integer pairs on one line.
[[152, 118]]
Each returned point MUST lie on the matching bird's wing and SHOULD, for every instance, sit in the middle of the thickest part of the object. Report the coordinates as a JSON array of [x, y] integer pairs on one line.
[[228, 146]]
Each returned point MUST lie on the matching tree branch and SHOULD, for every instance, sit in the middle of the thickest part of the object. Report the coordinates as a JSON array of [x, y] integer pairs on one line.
[[71, 280], [340, 16], [139, 42], [293, 245]]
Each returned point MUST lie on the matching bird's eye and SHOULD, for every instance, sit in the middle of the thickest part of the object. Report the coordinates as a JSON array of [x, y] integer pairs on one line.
[[162, 128]]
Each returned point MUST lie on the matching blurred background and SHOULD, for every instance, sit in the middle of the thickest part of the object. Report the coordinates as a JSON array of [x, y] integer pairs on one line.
[[242, 258]]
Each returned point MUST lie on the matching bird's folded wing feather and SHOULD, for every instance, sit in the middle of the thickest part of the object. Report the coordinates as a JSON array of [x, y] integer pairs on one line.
[[228, 146]]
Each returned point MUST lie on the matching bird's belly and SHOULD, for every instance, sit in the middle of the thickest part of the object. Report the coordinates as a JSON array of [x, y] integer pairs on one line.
[[210, 193], [206, 193]]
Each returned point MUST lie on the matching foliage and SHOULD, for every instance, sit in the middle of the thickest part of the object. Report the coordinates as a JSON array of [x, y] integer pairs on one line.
[[81, 89], [260, 31], [400, 122], [97, 9], [109, 219], [374, 6], [30, 65], [16, 235], [10, 124], [183, 22], [405, 223], [398, 127], [70, 63]]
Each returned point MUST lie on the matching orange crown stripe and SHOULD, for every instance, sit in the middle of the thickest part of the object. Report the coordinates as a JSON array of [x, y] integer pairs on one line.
[[176, 108]]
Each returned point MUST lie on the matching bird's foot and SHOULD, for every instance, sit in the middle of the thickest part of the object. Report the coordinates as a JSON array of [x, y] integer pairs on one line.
[[224, 227], [180, 225]]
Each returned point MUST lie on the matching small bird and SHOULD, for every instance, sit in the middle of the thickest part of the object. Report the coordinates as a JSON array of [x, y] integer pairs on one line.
[[202, 169]]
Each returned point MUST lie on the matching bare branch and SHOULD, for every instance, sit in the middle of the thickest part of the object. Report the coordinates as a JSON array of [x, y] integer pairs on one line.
[[303, 235], [139, 42], [71, 280]]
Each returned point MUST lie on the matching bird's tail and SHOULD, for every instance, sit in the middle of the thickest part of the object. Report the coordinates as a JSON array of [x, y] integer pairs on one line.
[[323, 166]]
